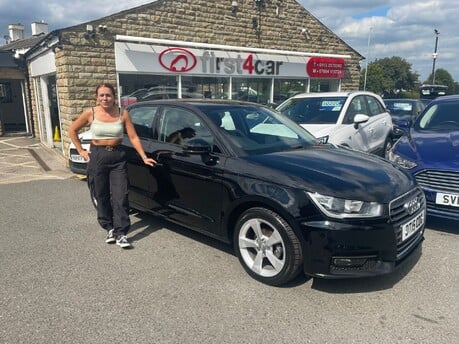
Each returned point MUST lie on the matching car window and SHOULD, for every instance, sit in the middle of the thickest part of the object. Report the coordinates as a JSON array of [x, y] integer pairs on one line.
[[180, 126], [313, 110], [400, 108], [142, 117], [441, 116], [419, 107], [374, 106], [356, 106], [257, 130]]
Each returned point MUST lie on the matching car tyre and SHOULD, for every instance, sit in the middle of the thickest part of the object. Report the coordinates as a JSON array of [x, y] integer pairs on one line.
[[267, 247]]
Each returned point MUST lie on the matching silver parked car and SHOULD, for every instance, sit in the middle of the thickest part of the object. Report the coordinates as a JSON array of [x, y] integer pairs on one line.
[[358, 120]]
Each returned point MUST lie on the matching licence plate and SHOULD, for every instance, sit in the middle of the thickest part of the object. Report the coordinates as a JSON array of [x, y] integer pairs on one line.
[[447, 199], [411, 227], [77, 158]]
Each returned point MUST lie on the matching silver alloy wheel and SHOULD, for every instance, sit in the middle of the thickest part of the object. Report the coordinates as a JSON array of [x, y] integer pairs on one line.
[[261, 247]]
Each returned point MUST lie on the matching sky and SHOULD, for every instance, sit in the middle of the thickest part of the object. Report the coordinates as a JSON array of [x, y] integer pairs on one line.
[[375, 28]]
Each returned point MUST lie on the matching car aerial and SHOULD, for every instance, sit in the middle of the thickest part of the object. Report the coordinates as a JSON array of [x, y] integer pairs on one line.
[[358, 120], [76, 162], [403, 112], [430, 152], [246, 175]]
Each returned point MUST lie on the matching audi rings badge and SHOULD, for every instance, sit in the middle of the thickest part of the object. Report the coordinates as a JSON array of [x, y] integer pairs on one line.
[[412, 206], [177, 60]]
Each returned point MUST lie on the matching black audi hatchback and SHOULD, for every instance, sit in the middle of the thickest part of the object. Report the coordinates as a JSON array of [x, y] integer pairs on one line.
[[245, 174]]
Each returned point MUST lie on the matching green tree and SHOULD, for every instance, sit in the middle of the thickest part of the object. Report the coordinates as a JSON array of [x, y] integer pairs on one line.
[[442, 77], [376, 81], [390, 77]]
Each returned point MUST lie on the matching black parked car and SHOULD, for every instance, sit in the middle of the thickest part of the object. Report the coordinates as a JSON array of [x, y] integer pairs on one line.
[[404, 113], [246, 175]]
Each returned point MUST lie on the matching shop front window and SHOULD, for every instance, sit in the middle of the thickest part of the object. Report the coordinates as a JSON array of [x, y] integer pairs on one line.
[[207, 87], [286, 88], [325, 85], [255, 90], [141, 87]]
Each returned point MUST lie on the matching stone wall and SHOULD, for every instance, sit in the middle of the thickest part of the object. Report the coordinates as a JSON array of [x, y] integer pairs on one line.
[[84, 62]]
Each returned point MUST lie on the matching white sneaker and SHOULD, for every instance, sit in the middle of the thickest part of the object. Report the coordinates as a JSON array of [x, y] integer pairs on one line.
[[123, 242], [110, 239]]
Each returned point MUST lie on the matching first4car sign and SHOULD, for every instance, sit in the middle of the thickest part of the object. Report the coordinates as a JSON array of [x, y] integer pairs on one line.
[[133, 57], [184, 60]]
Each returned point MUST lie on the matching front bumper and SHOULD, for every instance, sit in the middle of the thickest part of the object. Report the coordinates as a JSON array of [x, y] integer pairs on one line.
[[76, 163], [360, 248], [336, 250], [78, 167], [438, 210]]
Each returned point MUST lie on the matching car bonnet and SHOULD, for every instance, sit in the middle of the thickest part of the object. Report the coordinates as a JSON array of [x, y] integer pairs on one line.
[[436, 149], [335, 172]]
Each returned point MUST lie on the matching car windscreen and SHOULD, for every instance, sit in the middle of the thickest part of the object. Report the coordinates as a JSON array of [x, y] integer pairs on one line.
[[442, 116], [256, 129], [399, 108], [313, 110]]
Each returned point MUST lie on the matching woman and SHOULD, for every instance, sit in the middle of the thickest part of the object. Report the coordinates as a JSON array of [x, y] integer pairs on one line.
[[107, 161]]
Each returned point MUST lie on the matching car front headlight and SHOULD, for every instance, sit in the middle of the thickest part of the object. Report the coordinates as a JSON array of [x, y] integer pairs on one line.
[[401, 161], [345, 208]]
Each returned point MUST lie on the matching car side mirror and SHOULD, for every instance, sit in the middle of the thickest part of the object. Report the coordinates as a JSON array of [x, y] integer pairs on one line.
[[360, 118], [403, 123]]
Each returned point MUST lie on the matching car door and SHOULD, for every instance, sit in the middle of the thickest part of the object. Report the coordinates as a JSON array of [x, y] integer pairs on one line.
[[142, 184], [188, 184], [379, 124], [357, 136]]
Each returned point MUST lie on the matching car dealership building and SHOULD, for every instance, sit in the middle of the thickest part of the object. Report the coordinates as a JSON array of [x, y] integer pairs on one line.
[[257, 50]]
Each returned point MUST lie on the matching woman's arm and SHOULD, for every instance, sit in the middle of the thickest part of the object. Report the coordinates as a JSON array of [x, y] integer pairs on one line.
[[75, 128]]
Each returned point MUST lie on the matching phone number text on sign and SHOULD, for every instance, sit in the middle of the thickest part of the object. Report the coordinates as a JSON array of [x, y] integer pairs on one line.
[[325, 67]]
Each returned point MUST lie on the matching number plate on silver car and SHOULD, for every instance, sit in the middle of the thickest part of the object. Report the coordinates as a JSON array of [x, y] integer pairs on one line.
[[77, 158]]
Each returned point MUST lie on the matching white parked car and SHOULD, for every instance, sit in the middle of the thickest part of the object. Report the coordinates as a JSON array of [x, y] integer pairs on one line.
[[76, 162], [358, 119]]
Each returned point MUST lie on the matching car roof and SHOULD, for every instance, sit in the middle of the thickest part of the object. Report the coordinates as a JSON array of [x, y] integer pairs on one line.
[[402, 100], [446, 98], [333, 94], [195, 101]]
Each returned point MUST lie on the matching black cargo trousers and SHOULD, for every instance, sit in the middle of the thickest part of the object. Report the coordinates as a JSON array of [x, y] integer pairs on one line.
[[107, 173]]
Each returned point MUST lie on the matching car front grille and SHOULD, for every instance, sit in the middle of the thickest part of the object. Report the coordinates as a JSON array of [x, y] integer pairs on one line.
[[447, 181], [399, 216], [79, 165], [432, 206]]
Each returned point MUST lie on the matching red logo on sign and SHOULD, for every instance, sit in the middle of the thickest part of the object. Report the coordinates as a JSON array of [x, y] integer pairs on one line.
[[177, 60], [325, 67]]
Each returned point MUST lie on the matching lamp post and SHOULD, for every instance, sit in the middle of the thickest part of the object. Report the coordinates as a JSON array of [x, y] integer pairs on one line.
[[434, 55], [366, 61]]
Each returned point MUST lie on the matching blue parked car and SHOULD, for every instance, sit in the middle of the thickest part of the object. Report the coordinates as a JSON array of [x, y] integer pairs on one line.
[[403, 113], [430, 152]]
